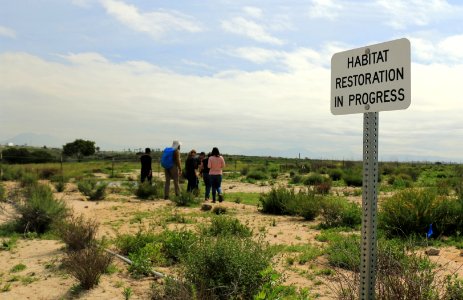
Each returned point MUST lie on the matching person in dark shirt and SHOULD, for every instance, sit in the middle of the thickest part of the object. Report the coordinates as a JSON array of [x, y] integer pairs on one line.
[[191, 165], [146, 170], [204, 171]]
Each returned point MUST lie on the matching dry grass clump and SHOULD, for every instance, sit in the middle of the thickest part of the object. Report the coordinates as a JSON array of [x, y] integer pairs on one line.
[[87, 265], [77, 232]]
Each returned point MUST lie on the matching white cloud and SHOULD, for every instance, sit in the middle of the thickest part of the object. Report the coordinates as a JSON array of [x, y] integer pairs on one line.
[[324, 9], [446, 50], [7, 32], [254, 12], [132, 103], [250, 29], [452, 47], [415, 12], [156, 23]]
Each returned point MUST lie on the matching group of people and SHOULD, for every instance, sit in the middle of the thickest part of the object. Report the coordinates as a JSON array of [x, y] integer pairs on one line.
[[208, 167]]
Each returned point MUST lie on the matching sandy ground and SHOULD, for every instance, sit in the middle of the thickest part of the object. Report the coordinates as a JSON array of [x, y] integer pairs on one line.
[[43, 278]]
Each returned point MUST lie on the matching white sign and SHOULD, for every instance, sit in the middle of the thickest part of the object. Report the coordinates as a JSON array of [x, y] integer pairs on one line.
[[371, 79]]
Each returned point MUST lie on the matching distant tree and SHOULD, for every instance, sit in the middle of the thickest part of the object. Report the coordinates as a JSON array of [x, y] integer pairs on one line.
[[17, 155], [79, 148]]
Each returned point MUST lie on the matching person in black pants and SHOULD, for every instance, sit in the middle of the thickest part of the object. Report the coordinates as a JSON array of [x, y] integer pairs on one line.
[[191, 165], [204, 171], [146, 170]]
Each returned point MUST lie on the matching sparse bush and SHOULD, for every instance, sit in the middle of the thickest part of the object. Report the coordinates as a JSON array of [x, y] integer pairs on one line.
[[323, 188], [146, 190], [77, 232], [186, 199], [40, 210], [92, 189], [244, 171], [337, 211], [224, 226], [228, 268], [87, 265]]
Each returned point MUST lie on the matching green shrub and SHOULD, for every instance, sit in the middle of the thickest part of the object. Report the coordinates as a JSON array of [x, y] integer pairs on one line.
[[337, 211], [186, 199], [335, 174], [257, 175], [282, 201], [296, 179], [87, 265], [129, 243], [307, 205], [314, 179], [353, 179], [2, 192], [343, 251], [92, 189], [176, 244], [411, 211], [144, 259], [228, 267], [60, 186], [404, 274], [28, 179], [40, 210], [146, 190], [77, 232], [224, 226], [219, 210], [48, 173]]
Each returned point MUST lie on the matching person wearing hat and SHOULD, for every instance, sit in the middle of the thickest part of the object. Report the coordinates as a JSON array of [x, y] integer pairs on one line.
[[174, 172]]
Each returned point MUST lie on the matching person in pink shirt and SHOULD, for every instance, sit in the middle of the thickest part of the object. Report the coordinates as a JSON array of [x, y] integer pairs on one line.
[[215, 164]]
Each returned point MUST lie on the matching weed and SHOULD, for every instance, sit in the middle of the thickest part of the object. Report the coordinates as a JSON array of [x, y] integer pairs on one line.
[[6, 287], [127, 293], [17, 268], [9, 244]]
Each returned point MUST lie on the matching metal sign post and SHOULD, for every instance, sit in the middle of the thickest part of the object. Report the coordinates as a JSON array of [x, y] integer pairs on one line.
[[369, 80], [369, 206]]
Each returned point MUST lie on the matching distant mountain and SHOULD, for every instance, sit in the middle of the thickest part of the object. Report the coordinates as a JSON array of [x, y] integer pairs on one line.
[[34, 139]]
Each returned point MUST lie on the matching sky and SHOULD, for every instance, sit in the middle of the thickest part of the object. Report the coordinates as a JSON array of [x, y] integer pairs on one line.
[[248, 77]]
